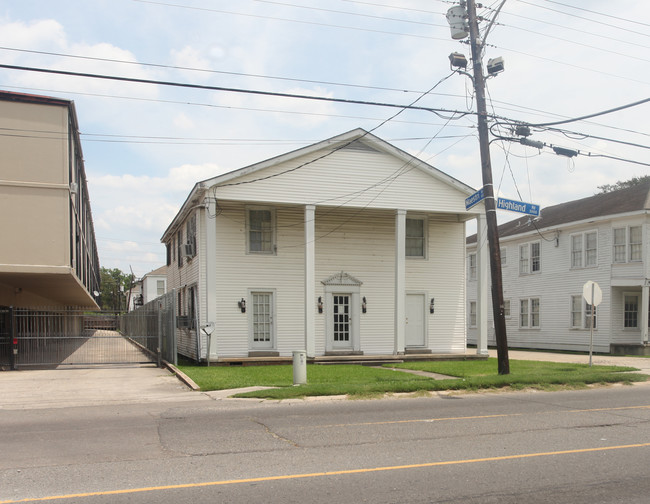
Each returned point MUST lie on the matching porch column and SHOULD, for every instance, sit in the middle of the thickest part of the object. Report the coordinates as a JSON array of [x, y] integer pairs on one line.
[[210, 322], [645, 299], [310, 280], [400, 280], [482, 277]]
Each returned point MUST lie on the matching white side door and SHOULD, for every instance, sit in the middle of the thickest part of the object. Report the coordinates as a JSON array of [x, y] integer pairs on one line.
[[415, 320], [262, 329]]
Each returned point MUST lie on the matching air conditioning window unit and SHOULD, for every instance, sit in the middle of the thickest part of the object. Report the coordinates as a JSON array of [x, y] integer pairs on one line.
[[187, 250]]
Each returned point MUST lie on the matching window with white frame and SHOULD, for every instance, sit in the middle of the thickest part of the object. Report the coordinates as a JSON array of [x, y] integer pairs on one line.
[[587, 317], [160, 287], [190, 233], [506, 308], [628, 244], [576, 312], [530, 258], [179, 246], [415, 237], [503, 253], [581, 313], [472, 313], [591, 249], [471, 264], [529, 316], [260, 230], [636, 243], [584, 249], [631, 311], [619, 245]]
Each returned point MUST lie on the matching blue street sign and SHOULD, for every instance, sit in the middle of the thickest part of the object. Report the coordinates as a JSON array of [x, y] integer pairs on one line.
[[474, 199], [518, 206]]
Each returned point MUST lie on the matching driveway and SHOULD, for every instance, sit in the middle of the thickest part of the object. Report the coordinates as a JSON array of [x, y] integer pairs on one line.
[[90, 386]]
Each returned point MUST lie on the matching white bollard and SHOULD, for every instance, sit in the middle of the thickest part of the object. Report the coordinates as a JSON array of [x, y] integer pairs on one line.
[[299, 367]]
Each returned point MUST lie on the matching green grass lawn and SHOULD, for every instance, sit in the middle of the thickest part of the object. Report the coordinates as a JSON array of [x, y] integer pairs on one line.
[[363, 381]]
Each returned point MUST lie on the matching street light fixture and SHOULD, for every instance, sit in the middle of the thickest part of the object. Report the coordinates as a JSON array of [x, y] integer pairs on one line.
[[458, 60]]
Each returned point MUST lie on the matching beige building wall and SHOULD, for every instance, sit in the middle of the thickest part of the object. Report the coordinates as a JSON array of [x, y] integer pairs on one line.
[[41, 217]]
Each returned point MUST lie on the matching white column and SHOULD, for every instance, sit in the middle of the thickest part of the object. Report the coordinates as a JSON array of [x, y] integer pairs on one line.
[[310, 280], [400, 280], [645, 299], [209, 226], [483, 279]]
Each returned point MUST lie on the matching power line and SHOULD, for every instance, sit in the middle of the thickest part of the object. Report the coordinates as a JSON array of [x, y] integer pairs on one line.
[[436, 111], [595, 114], [348, 13], [206, 70], [609, 25], [327, 25], [342, 146], [599, 13]]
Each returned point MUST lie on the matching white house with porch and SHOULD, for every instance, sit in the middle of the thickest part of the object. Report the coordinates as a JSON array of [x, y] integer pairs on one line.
[[346, 247]]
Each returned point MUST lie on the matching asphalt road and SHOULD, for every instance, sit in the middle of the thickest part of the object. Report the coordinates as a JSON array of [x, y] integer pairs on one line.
[[576, 447]]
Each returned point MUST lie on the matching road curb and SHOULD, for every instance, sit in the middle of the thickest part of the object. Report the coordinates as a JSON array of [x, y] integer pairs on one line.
[[181, 376]]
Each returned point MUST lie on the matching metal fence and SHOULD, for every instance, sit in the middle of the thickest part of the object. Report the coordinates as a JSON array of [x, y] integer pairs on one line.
[[6, 340], [55, 337], [154, 322]]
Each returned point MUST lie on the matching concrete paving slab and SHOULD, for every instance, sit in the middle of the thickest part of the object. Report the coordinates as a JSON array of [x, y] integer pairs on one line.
[[88, 386]]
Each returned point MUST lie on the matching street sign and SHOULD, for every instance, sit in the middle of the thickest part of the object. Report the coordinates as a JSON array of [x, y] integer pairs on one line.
[[592, 296], [517, 206], [474, 199]]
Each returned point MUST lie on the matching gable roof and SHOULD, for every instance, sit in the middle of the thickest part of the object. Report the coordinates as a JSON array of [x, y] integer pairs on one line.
[[357, 139], [632, 199], [162, 271]]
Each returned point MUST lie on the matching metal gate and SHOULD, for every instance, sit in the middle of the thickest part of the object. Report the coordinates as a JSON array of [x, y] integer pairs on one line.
[[59, 337], [6, 347]]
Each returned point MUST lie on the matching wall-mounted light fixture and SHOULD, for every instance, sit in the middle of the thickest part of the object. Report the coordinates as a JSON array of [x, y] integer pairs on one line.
[[431, 308], [363, 305], [320, 304], [242, 305]]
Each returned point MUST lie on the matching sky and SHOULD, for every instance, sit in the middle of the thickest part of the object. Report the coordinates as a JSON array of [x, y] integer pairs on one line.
[[146, 145]]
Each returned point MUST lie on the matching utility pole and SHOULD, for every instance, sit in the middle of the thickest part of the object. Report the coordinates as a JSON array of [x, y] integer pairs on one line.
[[488, 191]]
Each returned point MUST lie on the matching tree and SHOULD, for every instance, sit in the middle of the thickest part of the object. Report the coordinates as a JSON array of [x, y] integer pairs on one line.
[[114, 286], [624, 184]]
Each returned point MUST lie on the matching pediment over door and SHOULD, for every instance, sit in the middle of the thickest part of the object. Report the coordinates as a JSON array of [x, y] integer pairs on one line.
[[341, 279]]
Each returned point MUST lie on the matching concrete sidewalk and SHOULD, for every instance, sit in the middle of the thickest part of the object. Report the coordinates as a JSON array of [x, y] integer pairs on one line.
[[641, 363], [105, 385], [91, 386]]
